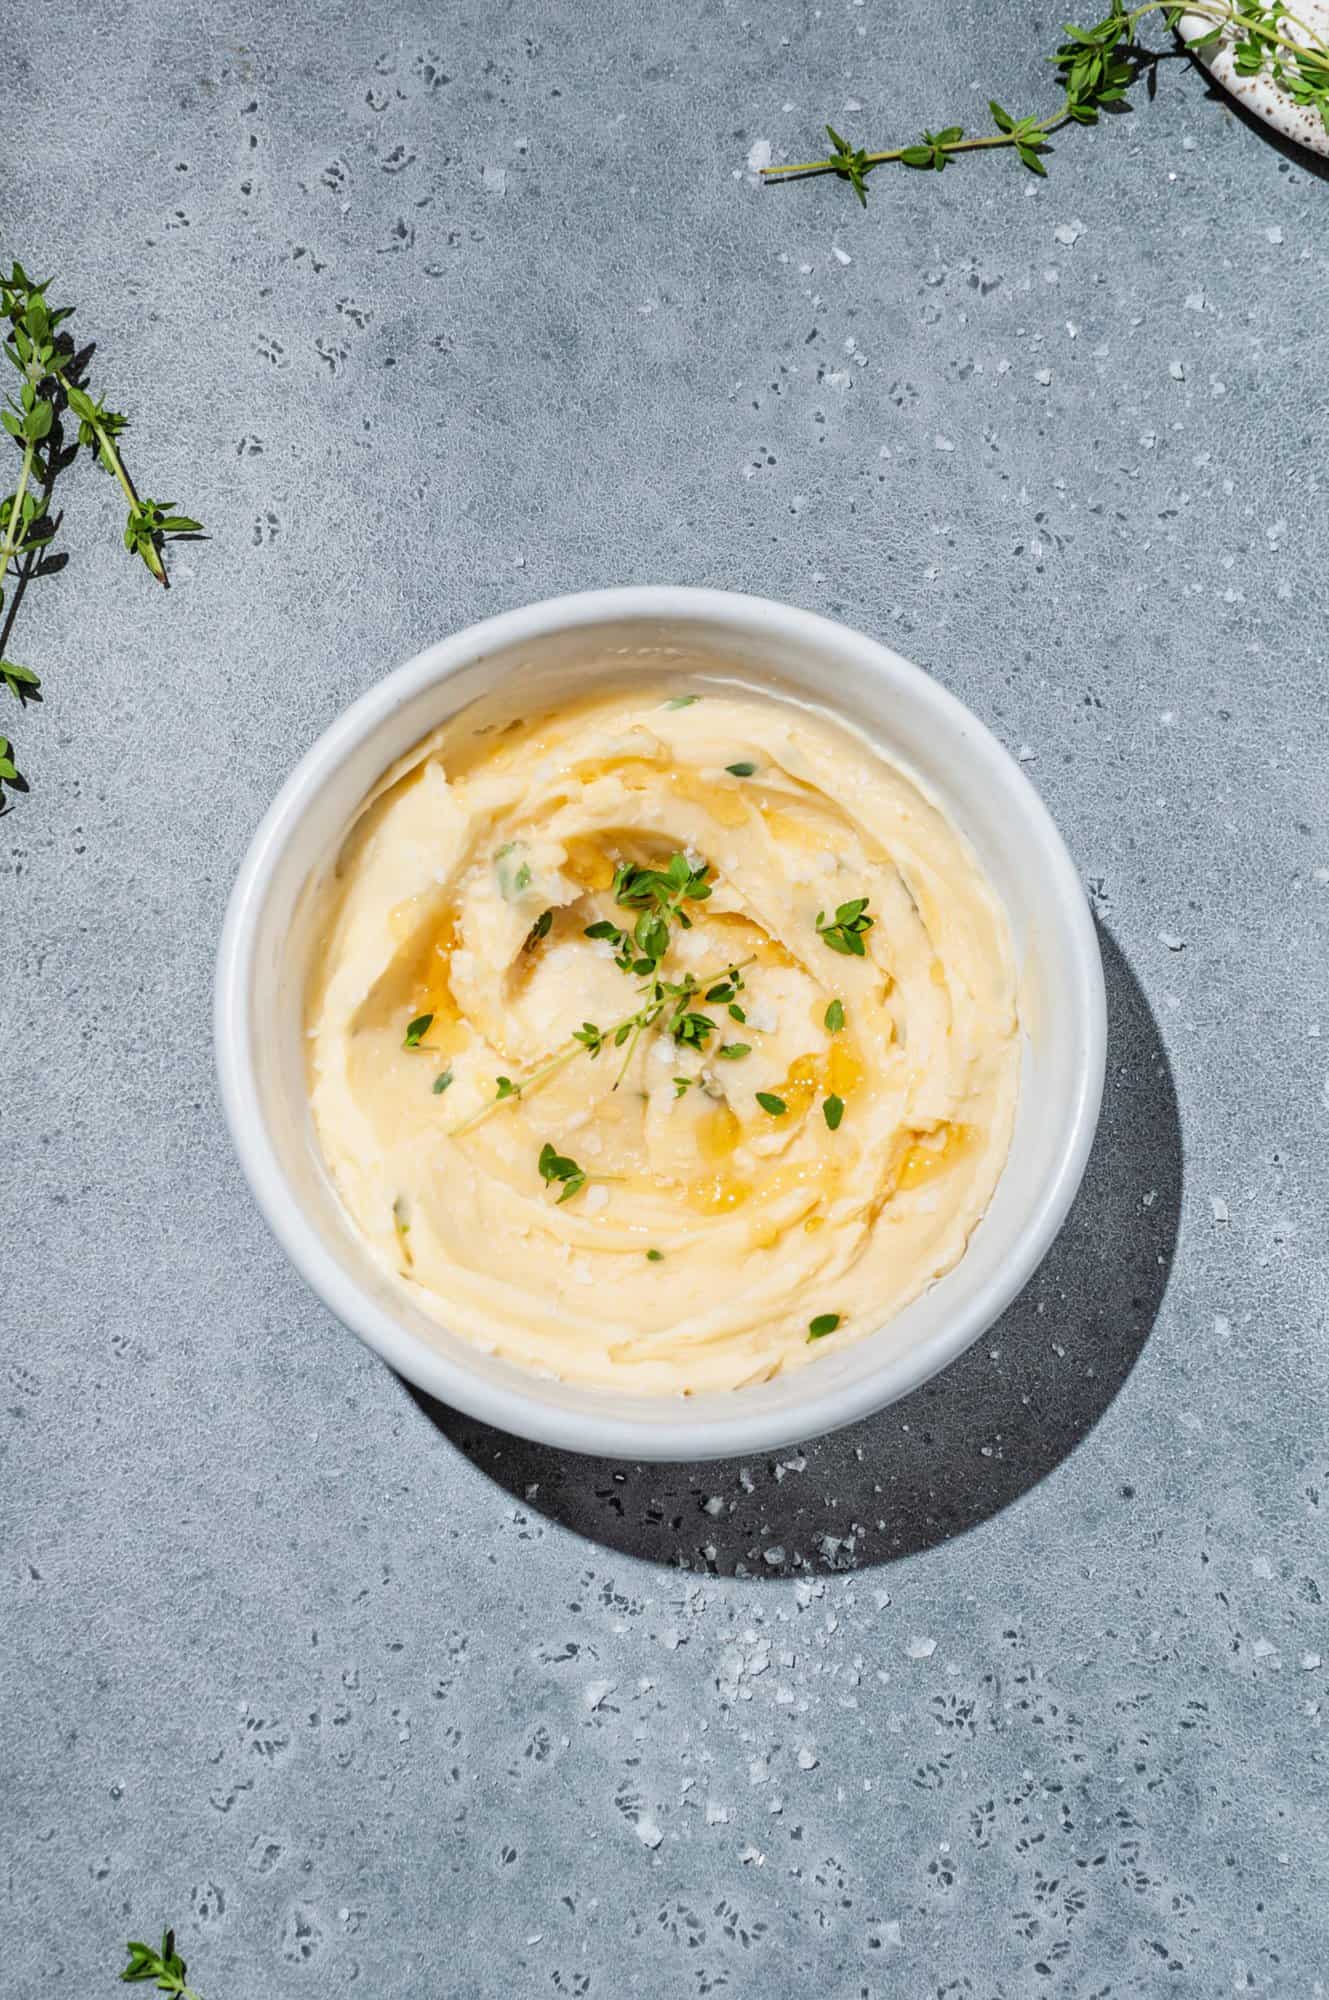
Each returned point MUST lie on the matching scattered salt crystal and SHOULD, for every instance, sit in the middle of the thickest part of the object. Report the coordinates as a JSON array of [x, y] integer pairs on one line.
[[1068, 232], [1025, 754], [807, 1758], [1263, 1649], [921, 1649], [1044, 376], [1273, 234], [1194, 302], [759, 155], [717, 1815], [1263, 1568], [495, 179], [840, 256], [1309, 1662], [595, 1692], [1222, 1213], [941, 443], [1177, 370], [648, 1831], [1172, 941]]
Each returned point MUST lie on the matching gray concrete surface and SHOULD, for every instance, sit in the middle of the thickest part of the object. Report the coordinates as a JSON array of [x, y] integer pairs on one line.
[[1019, 1690]]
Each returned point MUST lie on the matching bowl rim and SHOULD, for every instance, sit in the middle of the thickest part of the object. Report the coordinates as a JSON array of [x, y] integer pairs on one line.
[[517, 1410]]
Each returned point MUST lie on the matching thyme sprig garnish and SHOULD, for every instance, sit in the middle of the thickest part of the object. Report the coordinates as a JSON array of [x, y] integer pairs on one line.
[[659, 894], [663, 999], [165, 1967], [1096, 67], [51, 386], [844, 932], [555, 1166]]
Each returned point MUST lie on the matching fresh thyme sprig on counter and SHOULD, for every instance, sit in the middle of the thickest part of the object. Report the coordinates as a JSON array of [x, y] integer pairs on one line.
[[51, 386], [165, 1968], [1095, 69]]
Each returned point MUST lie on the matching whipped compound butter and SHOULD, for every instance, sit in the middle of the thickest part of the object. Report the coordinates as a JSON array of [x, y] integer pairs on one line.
[[751, 1116]]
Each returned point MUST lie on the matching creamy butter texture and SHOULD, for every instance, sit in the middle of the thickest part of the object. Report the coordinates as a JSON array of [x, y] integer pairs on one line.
[[711, 1229]]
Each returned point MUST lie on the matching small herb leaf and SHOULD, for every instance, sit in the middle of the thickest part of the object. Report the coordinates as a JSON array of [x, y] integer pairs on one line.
[[539, 929], [417, 1030], [555, 1166]]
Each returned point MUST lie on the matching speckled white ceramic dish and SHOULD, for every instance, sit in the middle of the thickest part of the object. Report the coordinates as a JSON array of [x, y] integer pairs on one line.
[[1298, 122], [268, 939]]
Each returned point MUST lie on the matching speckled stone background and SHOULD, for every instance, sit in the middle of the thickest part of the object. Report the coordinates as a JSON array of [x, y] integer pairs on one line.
[[1021, 1689]]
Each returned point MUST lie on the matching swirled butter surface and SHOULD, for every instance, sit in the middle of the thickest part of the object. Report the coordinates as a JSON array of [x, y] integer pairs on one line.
[[750, 1117]]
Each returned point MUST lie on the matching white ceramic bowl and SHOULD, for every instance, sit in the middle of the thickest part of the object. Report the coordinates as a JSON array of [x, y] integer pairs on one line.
[[267, 941]]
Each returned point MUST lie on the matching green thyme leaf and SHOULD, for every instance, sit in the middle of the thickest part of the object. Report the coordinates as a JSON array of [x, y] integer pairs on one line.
[[19, 680], [417, 1030], [768, 1101], [682, 700], [691, 1030], [555, 1166], [539, 929], [743, 770], [823, 1324], [733, 1050], [442, 1082], [165, 1967], [845, 933], [654, 1256], [505, 1087], [834, 1017], [833, 1111]]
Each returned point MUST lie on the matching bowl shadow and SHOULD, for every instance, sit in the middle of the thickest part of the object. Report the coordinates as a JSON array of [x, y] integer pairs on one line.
[[956, 1451]]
